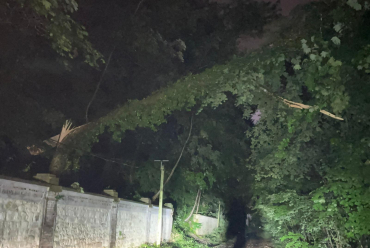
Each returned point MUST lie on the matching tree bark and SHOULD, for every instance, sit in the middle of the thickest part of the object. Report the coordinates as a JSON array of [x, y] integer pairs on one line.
[[64, 148]]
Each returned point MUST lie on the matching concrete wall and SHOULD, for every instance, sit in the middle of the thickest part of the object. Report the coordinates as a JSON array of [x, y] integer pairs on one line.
[[82, 221], [32, 216], [132, 224], [21, 213], [166, 224], [208, 224]]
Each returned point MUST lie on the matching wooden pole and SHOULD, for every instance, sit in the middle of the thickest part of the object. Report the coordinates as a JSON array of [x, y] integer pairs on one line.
[[159, 237], [218, 217]]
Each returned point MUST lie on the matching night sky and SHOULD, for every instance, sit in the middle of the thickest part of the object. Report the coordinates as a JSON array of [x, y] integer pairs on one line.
[[286, 5], [247, 43]]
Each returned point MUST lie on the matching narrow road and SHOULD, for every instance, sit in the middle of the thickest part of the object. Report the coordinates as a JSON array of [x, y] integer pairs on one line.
[[251, 243]]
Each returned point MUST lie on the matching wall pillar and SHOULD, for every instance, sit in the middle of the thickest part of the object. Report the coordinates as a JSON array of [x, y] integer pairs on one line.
[[49, 219], [113, 225], [148, 219]]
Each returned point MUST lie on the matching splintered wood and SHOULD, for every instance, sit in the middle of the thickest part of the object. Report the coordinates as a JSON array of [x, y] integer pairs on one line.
[[297, 105]]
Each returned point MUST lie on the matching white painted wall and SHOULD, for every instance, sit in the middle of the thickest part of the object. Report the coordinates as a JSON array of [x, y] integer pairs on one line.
[[208, 224], [32, 217], [21, 214], [82, 221]]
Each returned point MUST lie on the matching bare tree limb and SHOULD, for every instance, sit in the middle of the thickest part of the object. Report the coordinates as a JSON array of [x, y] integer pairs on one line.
[[329, 238], [195, 204], [198, 202], [178, 160], [98, 86], [138, 6]]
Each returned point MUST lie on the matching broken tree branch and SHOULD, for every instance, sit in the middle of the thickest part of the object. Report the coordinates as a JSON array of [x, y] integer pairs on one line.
[[297, 105]]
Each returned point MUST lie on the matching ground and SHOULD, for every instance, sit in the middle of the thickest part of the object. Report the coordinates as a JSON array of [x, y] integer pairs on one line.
[[250, 243]]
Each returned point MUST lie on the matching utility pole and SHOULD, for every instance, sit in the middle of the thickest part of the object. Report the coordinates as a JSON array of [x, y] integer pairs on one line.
[[218, 216], [159, 237]]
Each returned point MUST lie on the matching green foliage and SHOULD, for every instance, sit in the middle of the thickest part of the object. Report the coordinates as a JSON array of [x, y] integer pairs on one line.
[[58, 197], [219, 234], [314, 191], [67, 37], [354, 4], [295, 240], [180, 224], [180, 240], [363, 59]]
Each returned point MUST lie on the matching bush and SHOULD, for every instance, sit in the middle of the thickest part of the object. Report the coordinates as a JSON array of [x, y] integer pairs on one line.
[[179, 240]]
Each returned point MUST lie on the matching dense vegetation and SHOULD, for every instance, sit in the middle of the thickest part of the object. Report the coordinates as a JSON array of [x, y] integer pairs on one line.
[[285, 129]]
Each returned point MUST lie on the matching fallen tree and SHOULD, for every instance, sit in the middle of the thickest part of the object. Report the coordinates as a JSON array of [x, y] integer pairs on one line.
[[247, 78]]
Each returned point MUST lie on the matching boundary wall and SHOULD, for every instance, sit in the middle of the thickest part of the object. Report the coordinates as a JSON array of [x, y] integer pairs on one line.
[[208, 224], [33, 216]]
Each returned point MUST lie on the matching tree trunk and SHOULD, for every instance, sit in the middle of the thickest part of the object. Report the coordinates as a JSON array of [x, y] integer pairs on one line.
[[59, 162], [64, 148]]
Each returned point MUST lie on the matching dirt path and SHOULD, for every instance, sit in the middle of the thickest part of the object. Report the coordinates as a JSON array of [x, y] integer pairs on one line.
[[250, 243], [228, 244], [257, 243]]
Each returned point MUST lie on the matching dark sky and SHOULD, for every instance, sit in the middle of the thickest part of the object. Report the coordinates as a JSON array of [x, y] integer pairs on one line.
[[286, 5], [246, 43]]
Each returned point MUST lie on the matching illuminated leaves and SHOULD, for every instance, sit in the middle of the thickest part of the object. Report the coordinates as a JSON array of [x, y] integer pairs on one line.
[[305, 47], [47, 4], [335, 40], [324, 54], [338, 27], [296, 240], [354, 4], [363, 59]]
